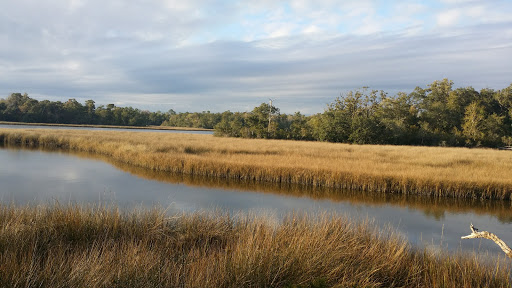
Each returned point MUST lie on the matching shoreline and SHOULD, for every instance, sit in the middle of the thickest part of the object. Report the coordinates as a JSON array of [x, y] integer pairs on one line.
[[431, 171], [105, 126]]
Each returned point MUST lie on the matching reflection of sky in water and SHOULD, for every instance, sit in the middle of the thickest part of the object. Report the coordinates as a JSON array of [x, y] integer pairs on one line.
[[35, 177]]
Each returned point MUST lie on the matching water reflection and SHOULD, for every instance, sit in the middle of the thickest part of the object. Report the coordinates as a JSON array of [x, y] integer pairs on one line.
[[106, 129], [33, 177], [432, 207]]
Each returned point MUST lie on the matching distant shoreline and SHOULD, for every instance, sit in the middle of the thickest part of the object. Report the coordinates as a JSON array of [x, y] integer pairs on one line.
[[106, 126]]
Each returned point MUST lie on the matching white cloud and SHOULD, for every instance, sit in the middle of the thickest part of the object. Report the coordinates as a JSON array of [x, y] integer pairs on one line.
[[71, 65], [458, 1], [409, 9], [148, 36], [179, 6], [448, 18], [476, 11], [474, 14], [199, 54], [75, 5], [312, 29], [280, 31], [369, 26]]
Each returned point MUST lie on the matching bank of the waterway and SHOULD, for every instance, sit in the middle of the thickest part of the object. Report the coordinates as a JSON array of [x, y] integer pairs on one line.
[[434, 171], [15, 125], [35, 177]]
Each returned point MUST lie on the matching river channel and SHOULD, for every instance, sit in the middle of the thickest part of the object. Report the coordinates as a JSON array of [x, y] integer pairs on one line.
[[32, 177], [24, 126]]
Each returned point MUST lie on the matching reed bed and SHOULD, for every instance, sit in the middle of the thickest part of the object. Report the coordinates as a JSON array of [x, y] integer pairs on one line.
[[76, 246], [433, 171], [430, 206]]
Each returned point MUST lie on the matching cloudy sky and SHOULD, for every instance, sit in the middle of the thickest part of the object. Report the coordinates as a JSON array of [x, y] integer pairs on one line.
[[217, 55]]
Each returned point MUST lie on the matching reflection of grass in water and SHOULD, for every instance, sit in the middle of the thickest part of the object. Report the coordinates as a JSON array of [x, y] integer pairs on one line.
[[101, 247], [431, 206], [431, 171]]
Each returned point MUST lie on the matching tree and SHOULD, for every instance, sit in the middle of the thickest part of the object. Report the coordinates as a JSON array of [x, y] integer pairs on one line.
[[12, 111], [352, 118], [480, 128], [90, 109], [434, 107], [231, 125], [298, 127], [473, 128], [258, 121], [3, 107], [456, 104], [74, 112], [399, 117]]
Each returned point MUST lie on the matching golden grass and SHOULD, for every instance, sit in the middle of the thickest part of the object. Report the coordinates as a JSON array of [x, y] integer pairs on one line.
[[57, 246], [435, 171], [431, 206]]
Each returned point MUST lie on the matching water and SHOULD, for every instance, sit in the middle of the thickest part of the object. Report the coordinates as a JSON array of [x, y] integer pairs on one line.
[[29, 177], [105, 129]]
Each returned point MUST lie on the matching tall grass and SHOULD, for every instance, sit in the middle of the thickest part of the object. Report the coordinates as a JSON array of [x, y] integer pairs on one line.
[[434, 171], [56, 246], [431, 206]]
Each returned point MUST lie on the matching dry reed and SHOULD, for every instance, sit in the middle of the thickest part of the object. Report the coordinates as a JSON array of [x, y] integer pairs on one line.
[[434, 171], [430, 206], [56, 246]]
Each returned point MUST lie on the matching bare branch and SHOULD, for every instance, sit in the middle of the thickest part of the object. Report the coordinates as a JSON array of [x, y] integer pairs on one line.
[[490, 236]]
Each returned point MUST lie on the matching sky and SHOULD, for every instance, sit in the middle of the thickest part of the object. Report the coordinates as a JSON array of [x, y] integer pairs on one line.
[[217, 55]]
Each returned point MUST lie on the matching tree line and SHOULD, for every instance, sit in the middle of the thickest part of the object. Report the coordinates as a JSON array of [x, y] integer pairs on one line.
[[204, 119], [436, 116], [22, 108]]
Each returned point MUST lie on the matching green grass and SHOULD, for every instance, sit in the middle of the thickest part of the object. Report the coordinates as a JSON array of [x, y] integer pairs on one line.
[[76, 246]]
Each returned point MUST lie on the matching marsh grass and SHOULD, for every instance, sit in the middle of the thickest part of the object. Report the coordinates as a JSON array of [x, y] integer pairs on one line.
[[432, 171], [431, 206], [77, 246]]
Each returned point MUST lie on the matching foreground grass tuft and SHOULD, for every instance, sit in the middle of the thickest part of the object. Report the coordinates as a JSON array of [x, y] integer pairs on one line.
[[56, 246]]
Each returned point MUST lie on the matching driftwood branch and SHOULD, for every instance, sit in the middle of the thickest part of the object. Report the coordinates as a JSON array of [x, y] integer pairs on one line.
[[490, 236]]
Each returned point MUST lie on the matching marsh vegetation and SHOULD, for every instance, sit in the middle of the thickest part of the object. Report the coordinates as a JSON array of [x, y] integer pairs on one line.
[[100, 246], [434, 171], [56, 246]]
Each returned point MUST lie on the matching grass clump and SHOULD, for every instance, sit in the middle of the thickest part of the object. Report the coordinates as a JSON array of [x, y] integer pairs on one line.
[[57, 246]]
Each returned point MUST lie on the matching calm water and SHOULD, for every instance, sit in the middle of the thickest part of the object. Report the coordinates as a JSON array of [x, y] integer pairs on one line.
[[34, 177], [104, 129]]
